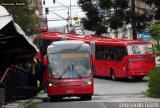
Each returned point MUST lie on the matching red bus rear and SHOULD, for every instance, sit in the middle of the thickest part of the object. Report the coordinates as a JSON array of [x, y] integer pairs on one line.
[[122, 58], [68, 70]]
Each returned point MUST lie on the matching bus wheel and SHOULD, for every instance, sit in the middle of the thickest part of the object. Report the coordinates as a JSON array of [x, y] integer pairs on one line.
[[112, 75], [138, 78], [86, 97], [55, 98]]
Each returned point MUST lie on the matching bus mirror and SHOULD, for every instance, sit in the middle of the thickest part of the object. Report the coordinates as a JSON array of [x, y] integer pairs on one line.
[[45, 61]]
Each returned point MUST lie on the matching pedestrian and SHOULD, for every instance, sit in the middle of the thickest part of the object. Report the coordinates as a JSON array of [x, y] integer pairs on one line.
[[38, 70]]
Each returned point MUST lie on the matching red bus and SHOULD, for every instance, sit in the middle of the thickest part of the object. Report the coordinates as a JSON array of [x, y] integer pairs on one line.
[[68, 70], [120, 58], [42, 41]]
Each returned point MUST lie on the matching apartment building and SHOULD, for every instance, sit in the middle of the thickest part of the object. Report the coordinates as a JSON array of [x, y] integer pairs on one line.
[[37, 4]]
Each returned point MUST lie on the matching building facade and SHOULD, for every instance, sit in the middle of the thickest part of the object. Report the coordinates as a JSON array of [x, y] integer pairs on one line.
[[37, 4]]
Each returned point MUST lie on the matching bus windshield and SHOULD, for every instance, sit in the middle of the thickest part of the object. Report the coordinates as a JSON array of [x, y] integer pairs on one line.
[[139, 49], [69, 65]]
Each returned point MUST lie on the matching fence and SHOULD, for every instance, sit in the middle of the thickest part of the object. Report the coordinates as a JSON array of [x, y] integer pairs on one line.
[[17, 83]]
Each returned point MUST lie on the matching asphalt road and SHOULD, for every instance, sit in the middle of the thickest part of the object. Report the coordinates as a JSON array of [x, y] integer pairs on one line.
[[80, 105], [107, 94], [123, 86]]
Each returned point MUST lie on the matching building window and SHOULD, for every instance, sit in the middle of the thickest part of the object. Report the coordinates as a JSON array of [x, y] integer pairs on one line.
[[44, 2], [46, 10], [54, 1]]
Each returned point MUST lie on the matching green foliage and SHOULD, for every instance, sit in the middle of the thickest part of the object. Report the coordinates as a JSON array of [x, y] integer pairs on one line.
[[156, 49], [155, 34], [105, 4], [155, 31], [115, 22], [157, 15], [87, 24], [117, 14], [153, 83], [128, 17], [23, 16], [101, 29], [123, 4]]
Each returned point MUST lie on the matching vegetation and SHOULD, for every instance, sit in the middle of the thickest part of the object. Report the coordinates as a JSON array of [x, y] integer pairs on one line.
[[154, 76], [155, 34], [115, 14], [23, 15], [153, 83]]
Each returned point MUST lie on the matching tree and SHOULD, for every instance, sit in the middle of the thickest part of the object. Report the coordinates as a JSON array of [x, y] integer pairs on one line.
[[155, 26], [23, 15], [155, 33], [118, 13]]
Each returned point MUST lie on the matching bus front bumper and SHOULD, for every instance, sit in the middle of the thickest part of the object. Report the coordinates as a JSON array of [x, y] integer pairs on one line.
[[70, 91]]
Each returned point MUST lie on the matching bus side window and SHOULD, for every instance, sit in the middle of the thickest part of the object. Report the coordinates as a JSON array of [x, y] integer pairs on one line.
[[99, 52], [119, 53], [110, 52], [102, 52]]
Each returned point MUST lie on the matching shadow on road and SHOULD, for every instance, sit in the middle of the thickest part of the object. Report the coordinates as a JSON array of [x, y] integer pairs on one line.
[[65, 99], [125, 80]]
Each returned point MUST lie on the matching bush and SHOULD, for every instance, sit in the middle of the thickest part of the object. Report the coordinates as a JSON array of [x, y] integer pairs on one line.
[[153, 83]]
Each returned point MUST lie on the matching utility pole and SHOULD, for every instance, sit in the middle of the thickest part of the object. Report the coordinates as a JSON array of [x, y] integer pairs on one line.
[[69, 13], [133, 22]]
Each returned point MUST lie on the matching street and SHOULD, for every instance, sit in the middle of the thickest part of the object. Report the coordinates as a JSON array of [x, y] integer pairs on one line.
[[123, 86], [108, 94]]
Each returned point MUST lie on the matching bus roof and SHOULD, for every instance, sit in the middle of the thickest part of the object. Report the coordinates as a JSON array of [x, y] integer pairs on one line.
[[123, 42], [67, 36], [68, 45], [89, 38], [50, 36]]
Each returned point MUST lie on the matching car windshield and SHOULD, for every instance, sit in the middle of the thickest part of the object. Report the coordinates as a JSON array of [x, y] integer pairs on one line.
[[69, 65], [139, 49]]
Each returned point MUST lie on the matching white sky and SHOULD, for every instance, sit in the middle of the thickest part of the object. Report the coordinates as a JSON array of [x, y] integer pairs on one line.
[[61, 11]]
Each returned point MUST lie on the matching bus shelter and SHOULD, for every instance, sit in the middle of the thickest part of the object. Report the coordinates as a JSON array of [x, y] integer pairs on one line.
[[15, 50]]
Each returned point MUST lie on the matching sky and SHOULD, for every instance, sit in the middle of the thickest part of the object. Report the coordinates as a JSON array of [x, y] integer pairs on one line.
[[61, 8]]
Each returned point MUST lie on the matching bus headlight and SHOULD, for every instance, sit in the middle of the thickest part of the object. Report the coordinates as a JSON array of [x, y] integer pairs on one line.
[[88, 82], [51, 84]]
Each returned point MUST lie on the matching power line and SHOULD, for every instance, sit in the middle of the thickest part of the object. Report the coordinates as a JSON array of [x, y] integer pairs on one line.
[[59, 6], [61, 19], [65, 9]]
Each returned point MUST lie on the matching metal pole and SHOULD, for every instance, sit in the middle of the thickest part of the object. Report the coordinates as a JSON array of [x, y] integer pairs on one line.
[[70, 13]]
